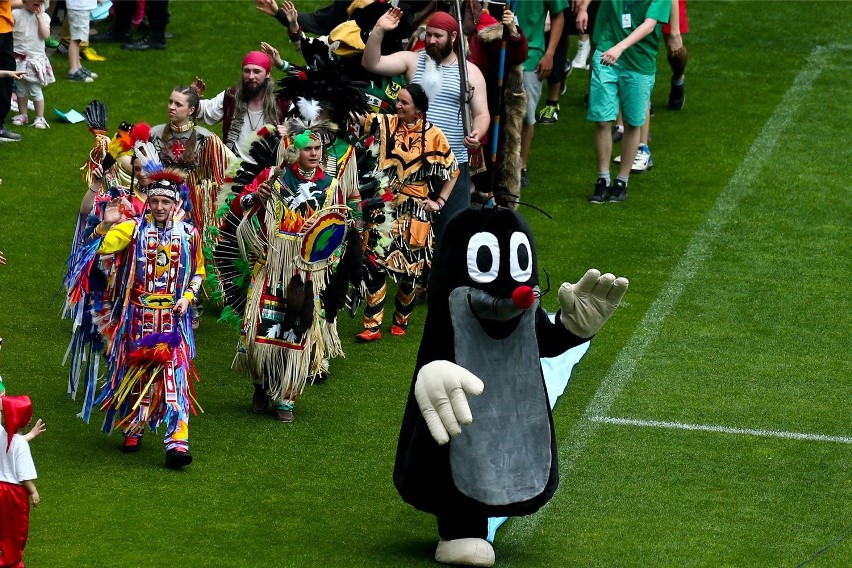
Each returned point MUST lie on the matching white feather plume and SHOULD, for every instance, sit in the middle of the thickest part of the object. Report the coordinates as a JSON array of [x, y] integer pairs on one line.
[[309, 109]]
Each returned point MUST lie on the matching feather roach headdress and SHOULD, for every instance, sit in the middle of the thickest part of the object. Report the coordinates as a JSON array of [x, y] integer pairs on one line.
[[166, 183]]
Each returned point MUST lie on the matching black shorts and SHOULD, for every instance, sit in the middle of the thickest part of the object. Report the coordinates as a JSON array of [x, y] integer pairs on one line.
[[560, 58]]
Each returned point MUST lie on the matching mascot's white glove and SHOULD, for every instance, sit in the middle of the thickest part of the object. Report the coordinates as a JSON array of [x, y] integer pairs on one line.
[[587, 304], [440, 393]]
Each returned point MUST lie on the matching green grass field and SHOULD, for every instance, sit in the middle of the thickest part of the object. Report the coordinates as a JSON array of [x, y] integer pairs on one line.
[[689, 434]]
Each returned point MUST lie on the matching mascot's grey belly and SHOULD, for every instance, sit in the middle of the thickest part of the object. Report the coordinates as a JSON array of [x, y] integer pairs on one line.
[[504, 455]]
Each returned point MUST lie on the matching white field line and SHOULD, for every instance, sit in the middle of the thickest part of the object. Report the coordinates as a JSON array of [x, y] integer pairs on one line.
[[700, 246], [722, 429]]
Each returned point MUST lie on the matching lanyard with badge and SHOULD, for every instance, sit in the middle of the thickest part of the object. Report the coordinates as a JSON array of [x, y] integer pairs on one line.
[[626, 20]]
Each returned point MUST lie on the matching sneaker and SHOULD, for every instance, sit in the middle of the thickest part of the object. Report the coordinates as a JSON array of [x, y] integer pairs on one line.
[[176, 458], [40, 123], [618, 192], [62, 48], [581, 58], [20, 119], [601, 192], [677, 96], [8, 136], [369, 335], [51, 43], [525, 179], [617, 159], [80, 77], [147, 43], [89, 54], [643, 161], [397, 330], [88, 72], [548, 115]]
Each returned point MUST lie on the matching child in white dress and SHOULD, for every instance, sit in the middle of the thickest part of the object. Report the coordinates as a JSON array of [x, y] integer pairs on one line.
[[32, 27]]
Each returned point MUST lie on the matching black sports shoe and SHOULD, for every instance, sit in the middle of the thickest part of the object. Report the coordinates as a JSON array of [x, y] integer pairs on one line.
[[176, 459], [111, 36], [618, 192], [9, 136], [677, 96], [601, 192], [147, 43]]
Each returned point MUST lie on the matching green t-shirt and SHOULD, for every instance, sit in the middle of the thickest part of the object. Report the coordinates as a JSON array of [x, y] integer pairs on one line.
[[617, 19], [531, 16]]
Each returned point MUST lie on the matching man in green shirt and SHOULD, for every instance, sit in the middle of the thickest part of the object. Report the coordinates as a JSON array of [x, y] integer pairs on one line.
[[627, 35]]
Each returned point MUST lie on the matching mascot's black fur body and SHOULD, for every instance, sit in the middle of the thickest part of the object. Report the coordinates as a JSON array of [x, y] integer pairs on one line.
[[505, 462]]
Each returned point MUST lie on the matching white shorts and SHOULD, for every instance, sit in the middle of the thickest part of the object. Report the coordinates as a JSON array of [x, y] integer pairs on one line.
[[532, 85], [29, 90], [78, 24]]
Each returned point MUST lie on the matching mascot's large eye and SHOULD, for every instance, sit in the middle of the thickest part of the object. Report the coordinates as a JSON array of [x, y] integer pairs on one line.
[[483, 257], [520, 257]]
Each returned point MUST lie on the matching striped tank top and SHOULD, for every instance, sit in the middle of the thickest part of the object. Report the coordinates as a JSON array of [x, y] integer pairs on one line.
[[444, 110]]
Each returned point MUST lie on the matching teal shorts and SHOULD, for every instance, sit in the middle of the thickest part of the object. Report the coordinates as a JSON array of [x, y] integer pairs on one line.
[[613, 87]]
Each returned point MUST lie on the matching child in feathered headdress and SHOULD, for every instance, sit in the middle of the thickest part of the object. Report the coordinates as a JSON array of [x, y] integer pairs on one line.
[[17, 472]]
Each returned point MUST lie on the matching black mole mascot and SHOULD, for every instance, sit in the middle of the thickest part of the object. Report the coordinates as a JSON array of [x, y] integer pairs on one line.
[[484, 334]]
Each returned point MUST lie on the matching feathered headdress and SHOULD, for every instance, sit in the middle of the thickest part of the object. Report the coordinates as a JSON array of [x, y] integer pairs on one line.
[[323, 85], [166, 183], [145, 152], [122, 142]]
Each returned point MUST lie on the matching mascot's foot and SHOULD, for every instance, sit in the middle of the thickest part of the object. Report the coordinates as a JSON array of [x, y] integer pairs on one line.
[[465, 552]]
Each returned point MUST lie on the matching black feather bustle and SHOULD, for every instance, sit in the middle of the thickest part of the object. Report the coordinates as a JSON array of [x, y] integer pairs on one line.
[[264, 151]]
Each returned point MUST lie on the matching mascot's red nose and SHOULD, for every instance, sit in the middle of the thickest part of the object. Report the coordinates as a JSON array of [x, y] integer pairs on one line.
[[523, 297]]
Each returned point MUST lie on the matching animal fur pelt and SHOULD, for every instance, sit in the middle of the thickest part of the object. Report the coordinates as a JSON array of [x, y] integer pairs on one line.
[[484, 52]]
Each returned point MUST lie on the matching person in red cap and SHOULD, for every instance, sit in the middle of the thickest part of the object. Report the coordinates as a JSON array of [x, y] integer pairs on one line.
[[436, 69], [247, 106], [17, 472]]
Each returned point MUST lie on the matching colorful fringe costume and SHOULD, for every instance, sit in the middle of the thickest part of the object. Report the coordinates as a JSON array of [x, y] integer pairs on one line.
[[85, 307], [297, 236], [416, 159], [149, 348]]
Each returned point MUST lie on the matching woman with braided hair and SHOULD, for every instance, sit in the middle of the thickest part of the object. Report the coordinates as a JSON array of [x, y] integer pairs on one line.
[[420, 170], [199, 154]]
